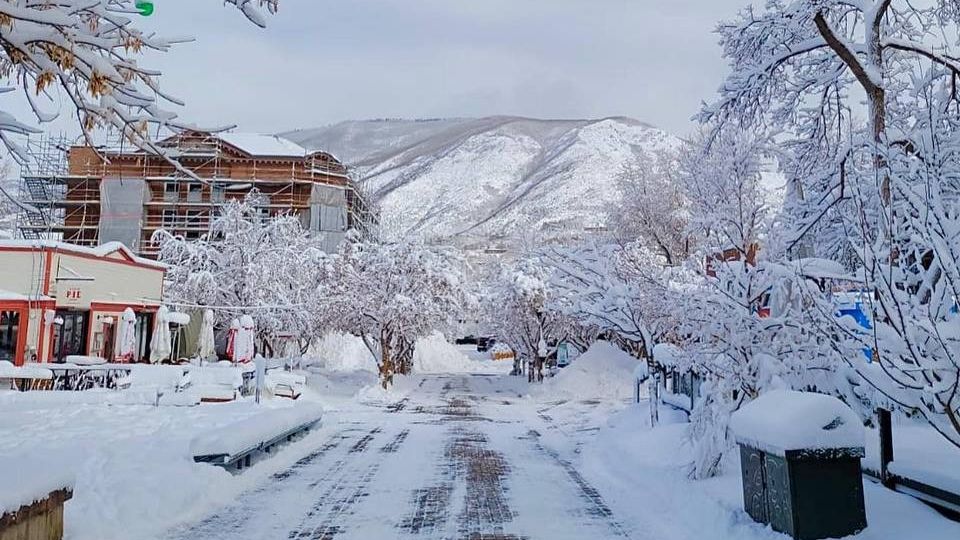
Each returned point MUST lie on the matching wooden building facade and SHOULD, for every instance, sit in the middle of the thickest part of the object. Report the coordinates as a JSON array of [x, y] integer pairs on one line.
[[125, 194]]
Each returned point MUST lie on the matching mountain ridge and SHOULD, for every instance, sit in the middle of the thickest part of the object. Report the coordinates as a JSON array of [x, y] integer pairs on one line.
[[497, 181]]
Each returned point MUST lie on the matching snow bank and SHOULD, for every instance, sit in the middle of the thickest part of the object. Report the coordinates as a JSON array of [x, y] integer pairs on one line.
[[604, 371], [341, 352], [135, 476], [634, 466], [30, 478], [434, 354], [782, 420], [251, 432]]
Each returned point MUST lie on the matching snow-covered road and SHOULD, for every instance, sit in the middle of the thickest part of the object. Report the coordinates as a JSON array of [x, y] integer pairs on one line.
[[461, 457]]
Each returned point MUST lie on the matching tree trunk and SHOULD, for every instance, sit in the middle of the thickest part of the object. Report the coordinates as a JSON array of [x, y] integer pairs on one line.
[[386, 362]]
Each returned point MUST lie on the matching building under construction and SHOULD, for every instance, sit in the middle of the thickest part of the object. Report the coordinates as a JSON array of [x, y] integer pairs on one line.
[[89, 196]]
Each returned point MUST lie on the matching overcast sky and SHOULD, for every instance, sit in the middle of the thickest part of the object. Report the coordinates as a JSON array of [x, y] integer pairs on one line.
[[323, 61]]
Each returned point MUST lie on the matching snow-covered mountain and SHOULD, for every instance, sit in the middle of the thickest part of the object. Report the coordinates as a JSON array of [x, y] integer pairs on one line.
[[489, 183]]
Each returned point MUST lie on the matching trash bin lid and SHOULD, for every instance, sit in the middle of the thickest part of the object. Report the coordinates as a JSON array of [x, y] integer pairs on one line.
[[781, 421]]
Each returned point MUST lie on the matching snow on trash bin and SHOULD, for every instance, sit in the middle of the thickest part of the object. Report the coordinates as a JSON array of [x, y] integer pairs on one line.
[[800, 464], [784, 420]]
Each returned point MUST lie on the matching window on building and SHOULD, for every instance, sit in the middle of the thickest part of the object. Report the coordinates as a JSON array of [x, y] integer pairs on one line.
[[194, 192], [171, 191], [169, 218], [196, 218]]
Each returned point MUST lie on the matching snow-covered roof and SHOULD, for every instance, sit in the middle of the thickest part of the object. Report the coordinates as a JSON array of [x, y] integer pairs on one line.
[[820, 268], [260, 145], [101, 251]]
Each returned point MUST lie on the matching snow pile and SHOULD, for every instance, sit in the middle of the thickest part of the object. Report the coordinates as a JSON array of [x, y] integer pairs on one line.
[[341, 352], [402, 386], [782, 420], [30, 478], [135, 476], [604, 371], [434, 354], [249, 433]]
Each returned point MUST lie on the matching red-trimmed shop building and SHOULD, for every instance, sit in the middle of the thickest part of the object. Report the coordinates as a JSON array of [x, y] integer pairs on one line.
[[58, 299]]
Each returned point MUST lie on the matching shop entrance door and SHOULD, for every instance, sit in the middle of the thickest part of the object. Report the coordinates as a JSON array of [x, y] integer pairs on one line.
[[70, 338], [9, 333], [109, 342]]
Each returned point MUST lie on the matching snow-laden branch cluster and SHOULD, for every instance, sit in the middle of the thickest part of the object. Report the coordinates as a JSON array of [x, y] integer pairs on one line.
[[88, 52]]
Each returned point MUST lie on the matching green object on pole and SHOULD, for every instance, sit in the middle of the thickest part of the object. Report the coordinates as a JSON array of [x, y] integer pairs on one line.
[[146, 8]]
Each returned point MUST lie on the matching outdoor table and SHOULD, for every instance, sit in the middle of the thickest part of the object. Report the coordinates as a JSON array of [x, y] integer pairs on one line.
[[100, 376], [81, 360], [64, 375]]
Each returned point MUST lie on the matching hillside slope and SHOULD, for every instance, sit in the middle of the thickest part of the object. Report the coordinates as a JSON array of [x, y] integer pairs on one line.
[[489, 183]]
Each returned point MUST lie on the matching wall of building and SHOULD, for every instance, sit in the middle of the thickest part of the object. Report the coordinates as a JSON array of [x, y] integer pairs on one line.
[[76, 281], [22, 271]]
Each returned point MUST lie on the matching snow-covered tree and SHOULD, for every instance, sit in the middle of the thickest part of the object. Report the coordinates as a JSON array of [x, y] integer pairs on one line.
[[743, 328], [89, 52], [266, 268], [652, 208], [908, 269], [808, 69], [520, 307], [617, 289], [391, 294], [878, 197]]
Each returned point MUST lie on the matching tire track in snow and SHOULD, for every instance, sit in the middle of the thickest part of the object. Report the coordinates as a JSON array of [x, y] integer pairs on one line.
[[596, 507], [352, 482]]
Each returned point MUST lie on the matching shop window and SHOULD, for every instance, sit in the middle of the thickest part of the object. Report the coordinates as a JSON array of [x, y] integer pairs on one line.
[[9, 332]]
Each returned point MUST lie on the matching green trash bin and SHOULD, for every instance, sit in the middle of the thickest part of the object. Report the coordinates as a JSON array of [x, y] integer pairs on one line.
[[800, 463]]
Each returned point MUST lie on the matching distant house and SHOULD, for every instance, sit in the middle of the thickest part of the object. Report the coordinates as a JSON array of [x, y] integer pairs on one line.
[[124, 194]]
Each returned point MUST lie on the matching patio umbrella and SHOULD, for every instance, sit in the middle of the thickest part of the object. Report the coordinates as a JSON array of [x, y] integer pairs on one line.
[[207, 346], [243, 344], [161, 346], [232, 339], [126, 336]]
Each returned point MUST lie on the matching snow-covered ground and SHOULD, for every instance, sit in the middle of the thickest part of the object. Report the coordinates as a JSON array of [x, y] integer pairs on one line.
[[436, 456]]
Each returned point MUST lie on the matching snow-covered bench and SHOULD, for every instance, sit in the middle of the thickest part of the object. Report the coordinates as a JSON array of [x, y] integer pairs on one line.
[[235, 444], [285, 384], [159, 385], [31, 377], [215, 383]]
